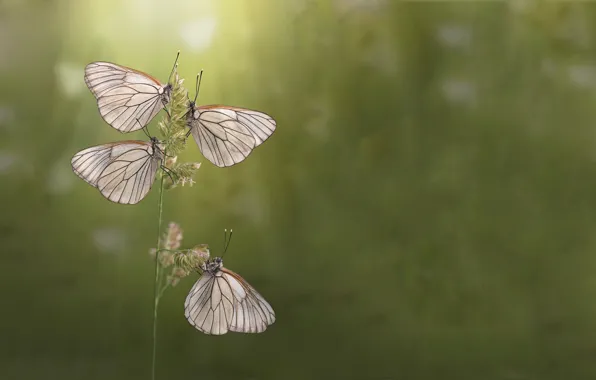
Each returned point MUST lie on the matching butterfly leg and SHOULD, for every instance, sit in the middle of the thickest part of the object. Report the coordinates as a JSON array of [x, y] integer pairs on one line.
[[169, 173], [165, 154], [146, 130]]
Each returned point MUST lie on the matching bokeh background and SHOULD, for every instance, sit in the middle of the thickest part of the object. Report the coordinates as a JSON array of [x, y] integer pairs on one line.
[[425, 210]]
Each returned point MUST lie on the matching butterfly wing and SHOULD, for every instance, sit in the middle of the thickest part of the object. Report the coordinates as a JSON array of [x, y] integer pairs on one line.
[[125, 95], [225, 302], [89, 163], [209, 305], [123, 172], [227, 135], [252, 313]]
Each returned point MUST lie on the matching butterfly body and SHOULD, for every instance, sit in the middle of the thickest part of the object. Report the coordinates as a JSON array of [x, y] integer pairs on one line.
[[222, 301]]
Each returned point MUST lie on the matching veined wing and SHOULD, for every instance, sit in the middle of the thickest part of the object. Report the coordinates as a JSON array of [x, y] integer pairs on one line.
[[253, 313], [89, 163], [227, 135], [125, 95], [222, 302], [209, 305], [123, 172]]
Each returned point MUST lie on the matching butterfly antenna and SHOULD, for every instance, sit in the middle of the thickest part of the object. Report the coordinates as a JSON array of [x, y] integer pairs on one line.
[[143, 128], [174, 67], [147, 132], [226, 241], [165, 108], [169, 173], [198, 85]]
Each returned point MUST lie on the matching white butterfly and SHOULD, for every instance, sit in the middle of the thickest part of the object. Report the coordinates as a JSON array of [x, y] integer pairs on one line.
[[222, 301], [123, 171], [226, 135], [127, 99]]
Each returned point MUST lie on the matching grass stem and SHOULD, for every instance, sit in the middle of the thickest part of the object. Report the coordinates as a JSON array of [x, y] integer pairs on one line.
[[156, 292]]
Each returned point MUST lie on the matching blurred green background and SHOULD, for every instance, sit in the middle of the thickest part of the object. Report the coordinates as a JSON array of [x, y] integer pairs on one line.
[[425, 210]]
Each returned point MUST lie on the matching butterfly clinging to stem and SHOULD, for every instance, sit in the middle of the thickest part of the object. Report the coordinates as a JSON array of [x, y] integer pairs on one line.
[[222, 301], [227, 135], [126, 95], [122, 171]]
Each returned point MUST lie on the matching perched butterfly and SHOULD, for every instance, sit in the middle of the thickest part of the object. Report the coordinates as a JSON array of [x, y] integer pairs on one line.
[[123, 171], [125, 95], [222, 301], [226, 135]]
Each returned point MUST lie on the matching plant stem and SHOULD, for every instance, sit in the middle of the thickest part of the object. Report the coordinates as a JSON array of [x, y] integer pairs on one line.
[[156, 285], [163, 289]]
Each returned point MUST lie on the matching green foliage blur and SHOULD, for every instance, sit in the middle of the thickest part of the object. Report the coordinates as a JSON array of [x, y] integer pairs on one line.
[[426, 208]]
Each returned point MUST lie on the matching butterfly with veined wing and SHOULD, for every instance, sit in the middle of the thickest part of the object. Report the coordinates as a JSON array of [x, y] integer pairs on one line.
[[122, 171], [222, 301], [125, 96], [227, 135]]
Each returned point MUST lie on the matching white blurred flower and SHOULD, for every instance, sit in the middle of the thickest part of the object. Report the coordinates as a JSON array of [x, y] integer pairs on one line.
[[70, 78], [459, 91], [110, 239], [576, 29], [383, 57], [582, 75], [456, 36], [198, 34]]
